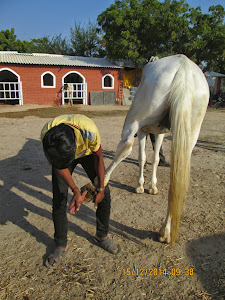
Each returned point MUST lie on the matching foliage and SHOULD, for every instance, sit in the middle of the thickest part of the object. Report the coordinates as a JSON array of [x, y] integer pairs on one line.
[[85, 40], [208, 37], [56, 45], [8, 41], [121, 23], [138, 29]]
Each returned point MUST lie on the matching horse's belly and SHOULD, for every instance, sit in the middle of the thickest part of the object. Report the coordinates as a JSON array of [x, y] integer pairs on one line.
[[155, 129]]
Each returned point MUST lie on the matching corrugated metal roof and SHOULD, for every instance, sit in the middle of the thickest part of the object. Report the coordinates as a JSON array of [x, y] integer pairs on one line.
[[55, 60], [214, 74]]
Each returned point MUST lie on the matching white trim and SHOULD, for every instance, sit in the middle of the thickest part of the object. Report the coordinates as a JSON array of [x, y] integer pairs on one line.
[[21, 94], [71, 73], [11, 91], [108, 87], [10, 70], [42, 81]]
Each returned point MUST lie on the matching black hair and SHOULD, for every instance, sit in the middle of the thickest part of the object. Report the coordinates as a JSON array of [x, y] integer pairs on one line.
[[59, 146]]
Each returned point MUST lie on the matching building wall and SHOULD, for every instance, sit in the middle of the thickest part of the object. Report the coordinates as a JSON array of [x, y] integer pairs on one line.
[[33, 93]]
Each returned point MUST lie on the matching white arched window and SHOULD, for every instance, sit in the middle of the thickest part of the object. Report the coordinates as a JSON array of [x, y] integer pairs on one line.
[[108, 81], [48, 80]]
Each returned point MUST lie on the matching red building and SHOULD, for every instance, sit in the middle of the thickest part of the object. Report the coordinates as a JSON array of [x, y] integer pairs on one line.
[[38, 78]]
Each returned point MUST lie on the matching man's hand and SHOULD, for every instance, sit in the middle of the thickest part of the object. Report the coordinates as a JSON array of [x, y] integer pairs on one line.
[[99, 198], [76, 201]]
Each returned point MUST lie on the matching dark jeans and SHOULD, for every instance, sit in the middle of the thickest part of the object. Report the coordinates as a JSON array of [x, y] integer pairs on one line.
[[161, 156], [60, 193]]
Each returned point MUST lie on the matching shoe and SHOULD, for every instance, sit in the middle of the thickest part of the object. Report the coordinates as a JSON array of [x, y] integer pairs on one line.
[[164, 164], [54, 258], [108, 245]]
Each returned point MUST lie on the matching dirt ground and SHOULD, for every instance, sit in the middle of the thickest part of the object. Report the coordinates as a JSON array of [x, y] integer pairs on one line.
[[146, 269]]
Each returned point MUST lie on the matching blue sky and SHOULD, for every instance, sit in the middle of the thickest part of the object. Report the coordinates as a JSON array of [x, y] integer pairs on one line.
[[35, 19]]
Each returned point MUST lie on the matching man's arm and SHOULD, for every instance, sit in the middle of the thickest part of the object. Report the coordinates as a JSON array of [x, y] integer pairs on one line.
[[77, 198]]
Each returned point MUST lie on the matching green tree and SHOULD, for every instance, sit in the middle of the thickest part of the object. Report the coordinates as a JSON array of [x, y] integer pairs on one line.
[[8, 41], [122, 25], [207, 41], [55, 45], [42, 45], [138, 29], [61, 45], [172, 27], [85, 40]]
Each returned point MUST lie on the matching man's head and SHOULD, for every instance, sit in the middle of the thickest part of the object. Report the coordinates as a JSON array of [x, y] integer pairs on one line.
[[59, 146]]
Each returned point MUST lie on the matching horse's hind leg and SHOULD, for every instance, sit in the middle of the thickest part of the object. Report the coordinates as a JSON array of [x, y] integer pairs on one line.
[[158, 142], [141, 159], [164, 233]]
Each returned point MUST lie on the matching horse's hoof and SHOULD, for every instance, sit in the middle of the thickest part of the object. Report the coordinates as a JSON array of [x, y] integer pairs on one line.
[[139, 190], [164, 239], [154, 191], [164, 236]]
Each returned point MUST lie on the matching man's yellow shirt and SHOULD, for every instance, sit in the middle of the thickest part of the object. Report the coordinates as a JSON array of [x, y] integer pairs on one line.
[[87, 135]]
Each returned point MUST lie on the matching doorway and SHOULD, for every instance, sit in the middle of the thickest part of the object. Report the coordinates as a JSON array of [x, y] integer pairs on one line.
[[76, 89], [10, 87]]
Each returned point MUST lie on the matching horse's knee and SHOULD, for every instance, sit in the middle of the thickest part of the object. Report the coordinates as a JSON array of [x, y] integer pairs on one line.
[[125, 147], [129, 143]]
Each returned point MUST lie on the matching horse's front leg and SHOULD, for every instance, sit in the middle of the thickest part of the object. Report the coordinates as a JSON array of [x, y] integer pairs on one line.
[[158, 142], [125, 146], [123, 150], [141, 159]]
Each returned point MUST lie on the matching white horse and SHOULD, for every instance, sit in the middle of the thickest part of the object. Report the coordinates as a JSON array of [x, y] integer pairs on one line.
[[173, 93]]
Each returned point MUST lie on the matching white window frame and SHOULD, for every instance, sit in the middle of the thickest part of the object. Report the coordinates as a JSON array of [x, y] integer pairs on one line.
[[108, 87], [42, 80]]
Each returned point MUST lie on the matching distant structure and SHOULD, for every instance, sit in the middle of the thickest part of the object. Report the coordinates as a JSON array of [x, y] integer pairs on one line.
[[38, 78]]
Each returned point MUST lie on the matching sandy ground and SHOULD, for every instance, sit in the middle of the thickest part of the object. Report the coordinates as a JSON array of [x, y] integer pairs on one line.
[[146, 269]]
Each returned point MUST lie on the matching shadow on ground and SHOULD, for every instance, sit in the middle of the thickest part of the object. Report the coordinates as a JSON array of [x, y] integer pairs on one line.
[[207, 255]]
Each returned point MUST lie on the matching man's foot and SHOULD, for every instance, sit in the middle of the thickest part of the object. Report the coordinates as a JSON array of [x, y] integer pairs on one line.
[[164, 164], [108, 244], [54, 259]]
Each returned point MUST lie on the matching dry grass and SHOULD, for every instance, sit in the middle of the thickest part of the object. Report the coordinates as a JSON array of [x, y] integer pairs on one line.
[[53, 111]]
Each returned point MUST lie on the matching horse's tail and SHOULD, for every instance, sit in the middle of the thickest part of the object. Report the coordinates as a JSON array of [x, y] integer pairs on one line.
[[180, 99]]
